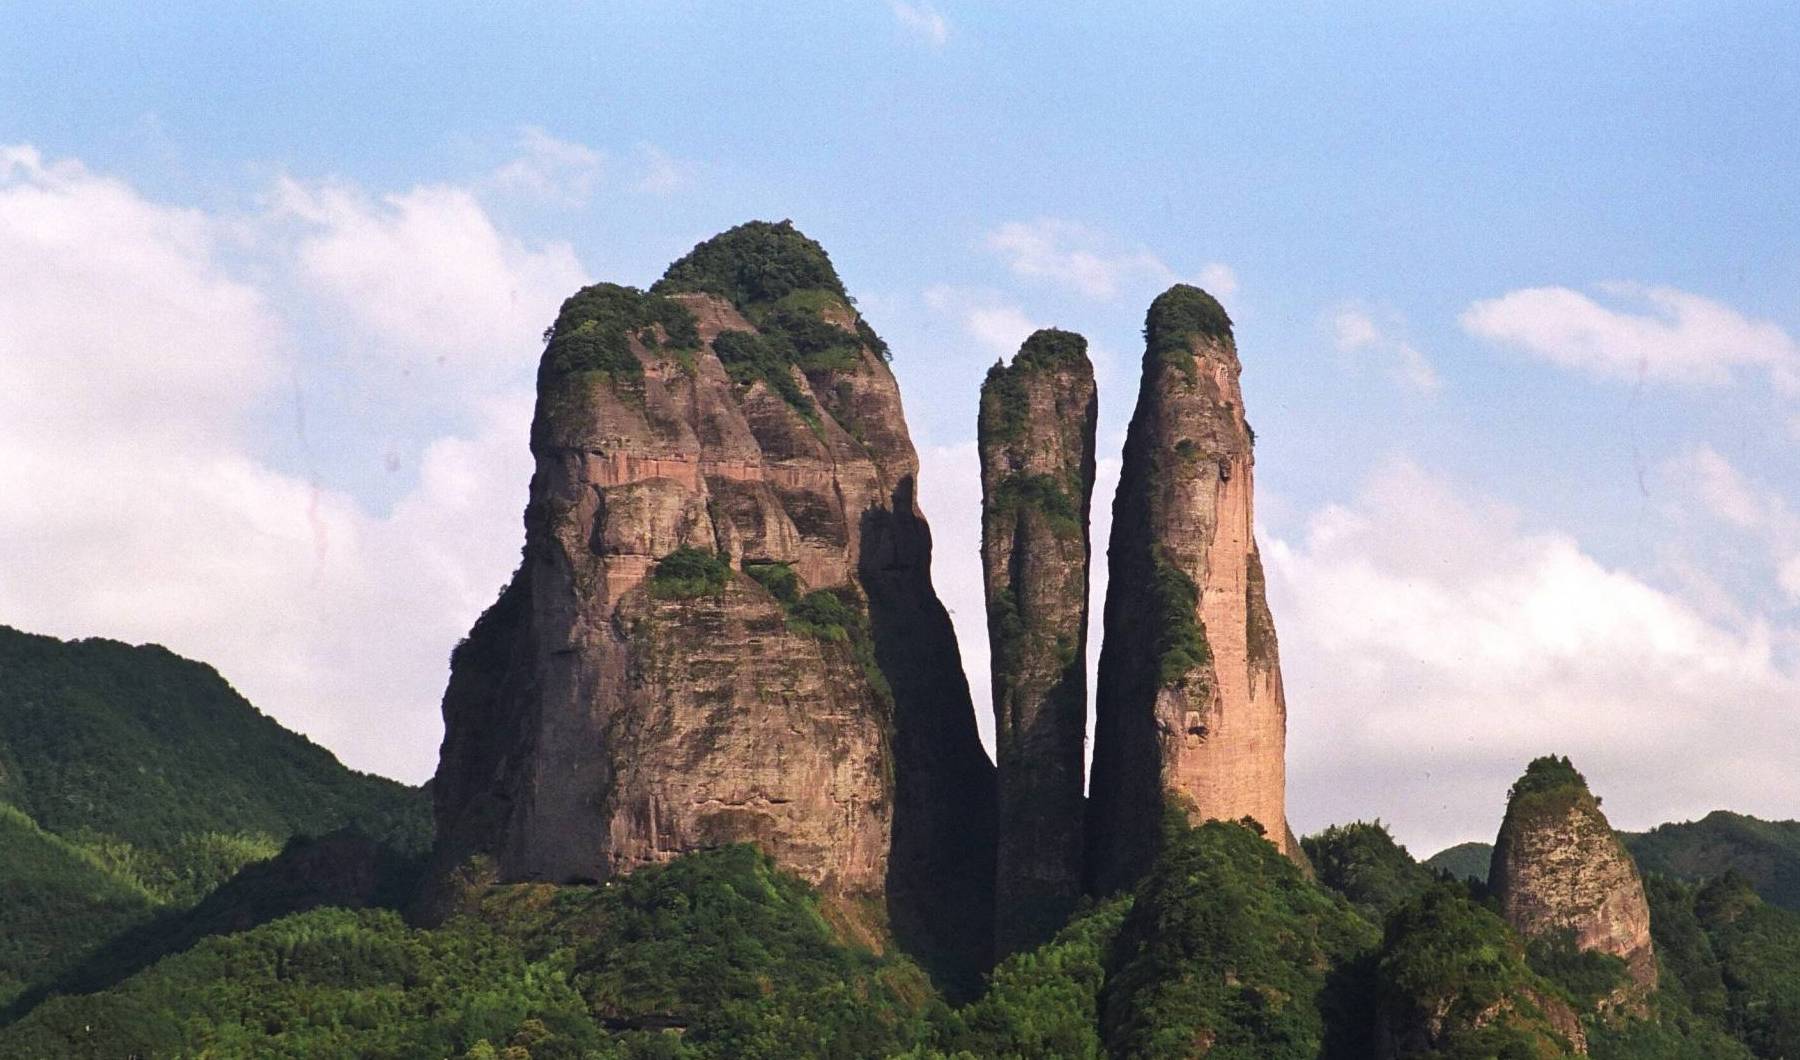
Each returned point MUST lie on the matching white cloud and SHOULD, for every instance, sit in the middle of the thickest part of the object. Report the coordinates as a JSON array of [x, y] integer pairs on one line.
[[923, 21], [427, 272], [661, 173], [1356, 331], [998, 325], [1659, 333], [1432, 645], [550, 169], [1090, 262], [138, 355], [1727, 525]]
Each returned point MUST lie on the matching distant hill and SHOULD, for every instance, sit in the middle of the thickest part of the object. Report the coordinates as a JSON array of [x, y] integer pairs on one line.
[[1462, 861], [134, 781], [1766, 853]]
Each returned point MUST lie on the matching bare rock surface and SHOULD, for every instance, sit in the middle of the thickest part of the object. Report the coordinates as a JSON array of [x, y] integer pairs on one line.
[[723, 627], [1189, 699], [1559, 866]]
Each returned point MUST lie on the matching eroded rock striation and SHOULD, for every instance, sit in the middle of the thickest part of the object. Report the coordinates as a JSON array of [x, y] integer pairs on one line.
[[1036, 439], [1189, 698], [723, 628], [1559, 867]]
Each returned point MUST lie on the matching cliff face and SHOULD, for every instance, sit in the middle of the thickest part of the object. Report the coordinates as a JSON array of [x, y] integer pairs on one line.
[[723, 628], [1558, 866], [1189, 701], [1037, 477]]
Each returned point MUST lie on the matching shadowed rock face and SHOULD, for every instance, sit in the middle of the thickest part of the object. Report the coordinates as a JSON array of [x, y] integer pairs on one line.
[[1558, 865], [723, 628], [1190, 702], [1037, 476]]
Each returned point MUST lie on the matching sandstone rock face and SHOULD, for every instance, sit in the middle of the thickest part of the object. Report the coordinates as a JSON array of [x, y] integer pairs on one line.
[[1190, 706], [1558, 866], [723, 627], [1037, 477]]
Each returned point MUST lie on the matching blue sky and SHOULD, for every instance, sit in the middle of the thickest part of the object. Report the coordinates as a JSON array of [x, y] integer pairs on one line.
[[1516, 294]]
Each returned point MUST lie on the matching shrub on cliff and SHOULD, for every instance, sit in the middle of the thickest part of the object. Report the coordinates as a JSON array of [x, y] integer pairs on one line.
[[687, 573], [1452, 981], [1176, 318]]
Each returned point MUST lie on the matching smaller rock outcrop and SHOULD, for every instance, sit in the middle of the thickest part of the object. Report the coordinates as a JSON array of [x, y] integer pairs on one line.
[[1558, 866], [1037, 478]]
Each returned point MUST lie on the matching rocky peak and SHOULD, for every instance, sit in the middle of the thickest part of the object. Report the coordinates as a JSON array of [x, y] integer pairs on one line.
[[1036, 435], [1190, 705], [1558, 866], [723, 628]]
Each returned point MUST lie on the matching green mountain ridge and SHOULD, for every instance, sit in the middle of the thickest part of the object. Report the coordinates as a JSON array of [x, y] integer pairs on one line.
[[1765, 853], [134, 782]]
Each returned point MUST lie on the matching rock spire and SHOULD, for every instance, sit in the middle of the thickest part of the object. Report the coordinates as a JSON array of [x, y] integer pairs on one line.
[[723, 627], [1558, 866], [1036, 435], [1189, 698]]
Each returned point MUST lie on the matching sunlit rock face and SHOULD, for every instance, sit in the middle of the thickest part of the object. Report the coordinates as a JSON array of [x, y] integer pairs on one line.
[[723, 627], [1189, 698], [1036, 439], [1559, 866]]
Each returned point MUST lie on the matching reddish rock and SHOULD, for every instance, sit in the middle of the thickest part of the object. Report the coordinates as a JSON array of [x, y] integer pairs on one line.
[[1190, 705], [803, 691]]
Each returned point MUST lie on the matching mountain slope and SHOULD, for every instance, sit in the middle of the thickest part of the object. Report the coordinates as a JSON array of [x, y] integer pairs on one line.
[[133, 782], [1766, 853], [99, 739]]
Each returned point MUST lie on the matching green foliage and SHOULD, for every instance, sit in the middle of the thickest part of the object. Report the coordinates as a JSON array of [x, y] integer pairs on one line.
[[785, 284], [1227, 945], [1362, 862], [141, 745], [1550, 789], [1180, 640], [1445, 959], [1051, 348], [1767, 853], [826, 615], [1180, 315], [1041, 492], [1585, 977], [1551, 773], [140, 781], [57, 901], [1464, 861], [1004, 406], [593, 330], [749, 356], [715, 955], [756, 263], [778, 578], [687, 573], [1758, 950], [1042, 1003]]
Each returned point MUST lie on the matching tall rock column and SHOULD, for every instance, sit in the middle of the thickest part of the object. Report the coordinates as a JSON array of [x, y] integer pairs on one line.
[[723, 628], [1037, 477], [1558, 866], [1190, 713]]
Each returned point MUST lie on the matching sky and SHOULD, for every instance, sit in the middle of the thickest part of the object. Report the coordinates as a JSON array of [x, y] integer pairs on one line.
[[1515, 292]]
